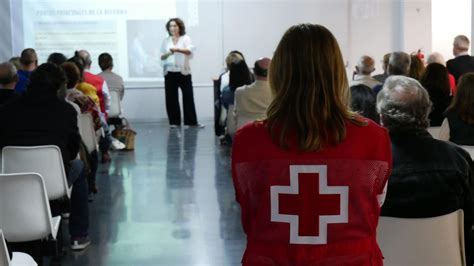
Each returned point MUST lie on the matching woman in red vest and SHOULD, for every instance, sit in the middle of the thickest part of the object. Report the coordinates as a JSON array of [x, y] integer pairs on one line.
[[310, 179]]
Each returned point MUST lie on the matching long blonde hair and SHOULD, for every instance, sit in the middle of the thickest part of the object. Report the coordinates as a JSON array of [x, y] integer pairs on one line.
[[310, 88]]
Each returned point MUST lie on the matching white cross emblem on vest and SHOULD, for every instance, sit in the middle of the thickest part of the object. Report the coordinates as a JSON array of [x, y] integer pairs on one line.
[[320, 197]]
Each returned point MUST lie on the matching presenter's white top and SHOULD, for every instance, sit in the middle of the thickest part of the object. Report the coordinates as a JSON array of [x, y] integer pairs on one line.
[[177, 62]]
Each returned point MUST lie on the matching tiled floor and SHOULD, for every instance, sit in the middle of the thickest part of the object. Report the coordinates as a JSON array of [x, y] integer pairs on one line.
[[169, 202]]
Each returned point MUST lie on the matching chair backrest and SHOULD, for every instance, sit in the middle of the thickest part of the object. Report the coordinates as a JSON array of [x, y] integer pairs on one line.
[[88, 134], [469, 149], [434, 131], [45, 160], [422, 241], [4, 256], [115, 108], [24, 207]]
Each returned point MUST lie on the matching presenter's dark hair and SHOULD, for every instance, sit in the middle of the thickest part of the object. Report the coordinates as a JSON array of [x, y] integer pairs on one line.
[[180, 23], [105, 61]]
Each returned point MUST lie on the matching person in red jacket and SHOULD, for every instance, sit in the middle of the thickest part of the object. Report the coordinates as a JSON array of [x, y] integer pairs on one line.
[[310, 179]]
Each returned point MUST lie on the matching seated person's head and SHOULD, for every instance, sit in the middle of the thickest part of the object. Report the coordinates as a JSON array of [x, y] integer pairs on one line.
[[309, 83], [8, 76], [28, 59], [239, 75], [15, 61], [72, 74], [260, 68], [363, 102], [233, 57], [463, 101], [79, 62], [417, 67], [365, 65], [399, 64], [403, 104], [57, 58], [105, 61], [47, 79]]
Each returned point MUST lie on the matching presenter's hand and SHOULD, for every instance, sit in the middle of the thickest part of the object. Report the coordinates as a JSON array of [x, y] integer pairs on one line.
[[173, 50]]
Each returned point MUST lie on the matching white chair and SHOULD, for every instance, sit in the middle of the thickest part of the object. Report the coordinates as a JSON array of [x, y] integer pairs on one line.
[[469, 149], [45, 160], [115, 108], [422, 241], [434, 131], [88, 134], [19, 258], [24, 208]]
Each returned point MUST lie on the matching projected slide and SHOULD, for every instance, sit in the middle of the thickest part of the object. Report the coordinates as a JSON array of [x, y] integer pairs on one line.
[[130, 30]]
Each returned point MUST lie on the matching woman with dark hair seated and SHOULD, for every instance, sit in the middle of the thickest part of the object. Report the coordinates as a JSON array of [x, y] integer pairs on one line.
[[436, 81], [458, 127], [239, 75], [363, 102], [309, 186]]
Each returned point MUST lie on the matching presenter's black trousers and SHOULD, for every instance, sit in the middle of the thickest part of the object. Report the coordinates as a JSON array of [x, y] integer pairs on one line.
[[173, 80]]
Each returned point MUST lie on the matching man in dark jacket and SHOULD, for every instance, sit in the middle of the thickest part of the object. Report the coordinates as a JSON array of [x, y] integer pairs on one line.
[[429, 177], [463, 62], [40, 117], [8, 79]]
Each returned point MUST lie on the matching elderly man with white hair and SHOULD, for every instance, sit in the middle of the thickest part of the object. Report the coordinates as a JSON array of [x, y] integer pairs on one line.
[[463, 62], [365, 66], [429, 177]]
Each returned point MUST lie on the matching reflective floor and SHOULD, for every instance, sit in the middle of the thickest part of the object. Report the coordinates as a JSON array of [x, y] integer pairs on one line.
[[169, 202]]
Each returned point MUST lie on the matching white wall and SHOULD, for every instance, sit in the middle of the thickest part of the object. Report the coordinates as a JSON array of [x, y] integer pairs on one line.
[[450, 18], [372, 27]]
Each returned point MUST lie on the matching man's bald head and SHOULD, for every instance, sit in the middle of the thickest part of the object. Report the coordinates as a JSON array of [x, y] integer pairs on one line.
[[365, 66], [86, 56], [8, 77], [261, 68]]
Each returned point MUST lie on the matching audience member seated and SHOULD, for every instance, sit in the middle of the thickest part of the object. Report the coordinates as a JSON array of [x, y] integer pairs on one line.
[[363, 102], [113, 80], [463, 62], [311, 142], [232, 57], [252, 101], [362, 72], [417, 67], [222, 82], [458, 127], [438, 58], [57, 58], [398, 64], [435, 80], [86, 105], [8, 79], [15, 61], [429, 177], [239, 75], [41, 118], [381, 77], [86, 88], [83, 86], [97, 81], [28, 63]]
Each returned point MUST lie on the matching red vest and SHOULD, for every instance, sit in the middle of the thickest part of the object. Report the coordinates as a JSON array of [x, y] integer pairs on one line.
[[98, 83], [311, 208]]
